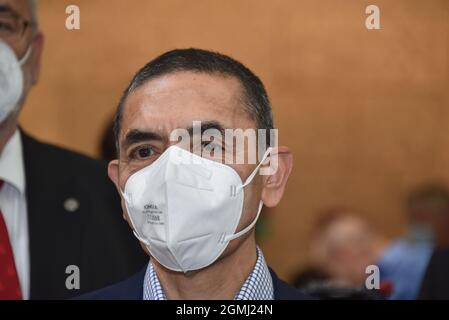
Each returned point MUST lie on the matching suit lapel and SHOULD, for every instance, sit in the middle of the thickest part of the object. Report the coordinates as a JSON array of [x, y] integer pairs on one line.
[[53, 233]]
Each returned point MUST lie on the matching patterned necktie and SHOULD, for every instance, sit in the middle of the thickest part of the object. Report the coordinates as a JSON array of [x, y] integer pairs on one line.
[[9, 281]]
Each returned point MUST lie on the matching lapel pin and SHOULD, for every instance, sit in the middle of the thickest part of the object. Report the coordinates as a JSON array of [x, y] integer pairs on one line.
[[71, 204]]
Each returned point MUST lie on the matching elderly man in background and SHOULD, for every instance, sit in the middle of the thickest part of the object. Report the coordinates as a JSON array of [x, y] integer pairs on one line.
[[59, 214]]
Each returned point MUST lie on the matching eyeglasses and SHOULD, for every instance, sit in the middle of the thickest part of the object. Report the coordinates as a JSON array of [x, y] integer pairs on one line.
[[12, 27]]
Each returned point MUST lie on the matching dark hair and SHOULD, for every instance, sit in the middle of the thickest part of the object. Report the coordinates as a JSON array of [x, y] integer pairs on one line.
[[431, 198], [257, 104], [107, 147]]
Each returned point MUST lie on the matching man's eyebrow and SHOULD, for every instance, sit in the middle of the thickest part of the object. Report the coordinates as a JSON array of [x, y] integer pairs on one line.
[[206, 125], [136, 135], [9, 11]]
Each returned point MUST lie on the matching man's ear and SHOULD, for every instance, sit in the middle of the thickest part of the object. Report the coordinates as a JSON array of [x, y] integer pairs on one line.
[[274, 184], [36, 56], [113, 173]]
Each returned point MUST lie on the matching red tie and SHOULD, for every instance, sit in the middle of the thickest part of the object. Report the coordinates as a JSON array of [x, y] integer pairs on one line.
[[9, 281]]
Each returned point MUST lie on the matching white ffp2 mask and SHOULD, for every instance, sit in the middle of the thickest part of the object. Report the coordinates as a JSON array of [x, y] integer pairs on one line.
[[186, 208], [11, 79]]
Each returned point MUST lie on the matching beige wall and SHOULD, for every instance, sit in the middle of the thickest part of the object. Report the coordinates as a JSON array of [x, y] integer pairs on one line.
[[364, 112]]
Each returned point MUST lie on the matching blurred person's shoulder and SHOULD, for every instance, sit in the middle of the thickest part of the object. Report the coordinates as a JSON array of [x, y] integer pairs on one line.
[[53, 166], [66, 188], [55, 174], [50, 154], [435, 284]]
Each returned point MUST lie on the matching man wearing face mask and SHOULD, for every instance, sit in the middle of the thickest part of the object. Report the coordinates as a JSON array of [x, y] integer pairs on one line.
[[194, 215], [50, 246]]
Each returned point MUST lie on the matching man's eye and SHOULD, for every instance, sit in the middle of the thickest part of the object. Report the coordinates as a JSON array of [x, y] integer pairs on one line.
[[209, 146], [4, 26], [143, 152], [212, 150]]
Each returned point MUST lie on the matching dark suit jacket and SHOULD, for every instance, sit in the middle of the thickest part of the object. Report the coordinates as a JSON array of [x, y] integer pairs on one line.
[[132, 289], [435, 284], [94, 236]]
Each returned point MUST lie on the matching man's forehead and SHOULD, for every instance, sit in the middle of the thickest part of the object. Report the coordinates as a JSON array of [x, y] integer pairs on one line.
[[200, 87], [176, 100]]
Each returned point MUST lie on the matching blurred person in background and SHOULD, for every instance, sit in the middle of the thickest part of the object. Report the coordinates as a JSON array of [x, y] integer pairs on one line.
[[344, 244], [58, 210], [428, 214]]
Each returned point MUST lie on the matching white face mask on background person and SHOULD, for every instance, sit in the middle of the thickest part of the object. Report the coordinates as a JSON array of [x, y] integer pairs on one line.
[[11, 79], [186, 208]]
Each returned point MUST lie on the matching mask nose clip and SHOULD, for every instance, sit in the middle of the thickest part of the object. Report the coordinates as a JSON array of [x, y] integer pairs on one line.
[[234, 190]]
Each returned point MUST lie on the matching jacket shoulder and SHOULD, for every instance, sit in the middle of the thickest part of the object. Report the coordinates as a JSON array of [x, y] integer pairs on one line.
[[53, 166], [51, 154], [284, 291], [129, 289], [132, 289]]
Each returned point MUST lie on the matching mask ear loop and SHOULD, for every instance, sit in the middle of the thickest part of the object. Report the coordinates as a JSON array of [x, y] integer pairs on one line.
[[248, 181], [26, 56], [245, 230], [253, 174]]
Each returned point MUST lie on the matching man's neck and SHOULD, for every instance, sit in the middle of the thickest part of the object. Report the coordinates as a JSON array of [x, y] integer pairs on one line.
[[7, 129], [220, 281]]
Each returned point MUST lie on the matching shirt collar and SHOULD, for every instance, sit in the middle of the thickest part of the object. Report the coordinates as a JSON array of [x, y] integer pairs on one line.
[[11, 163], [258, 285]]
